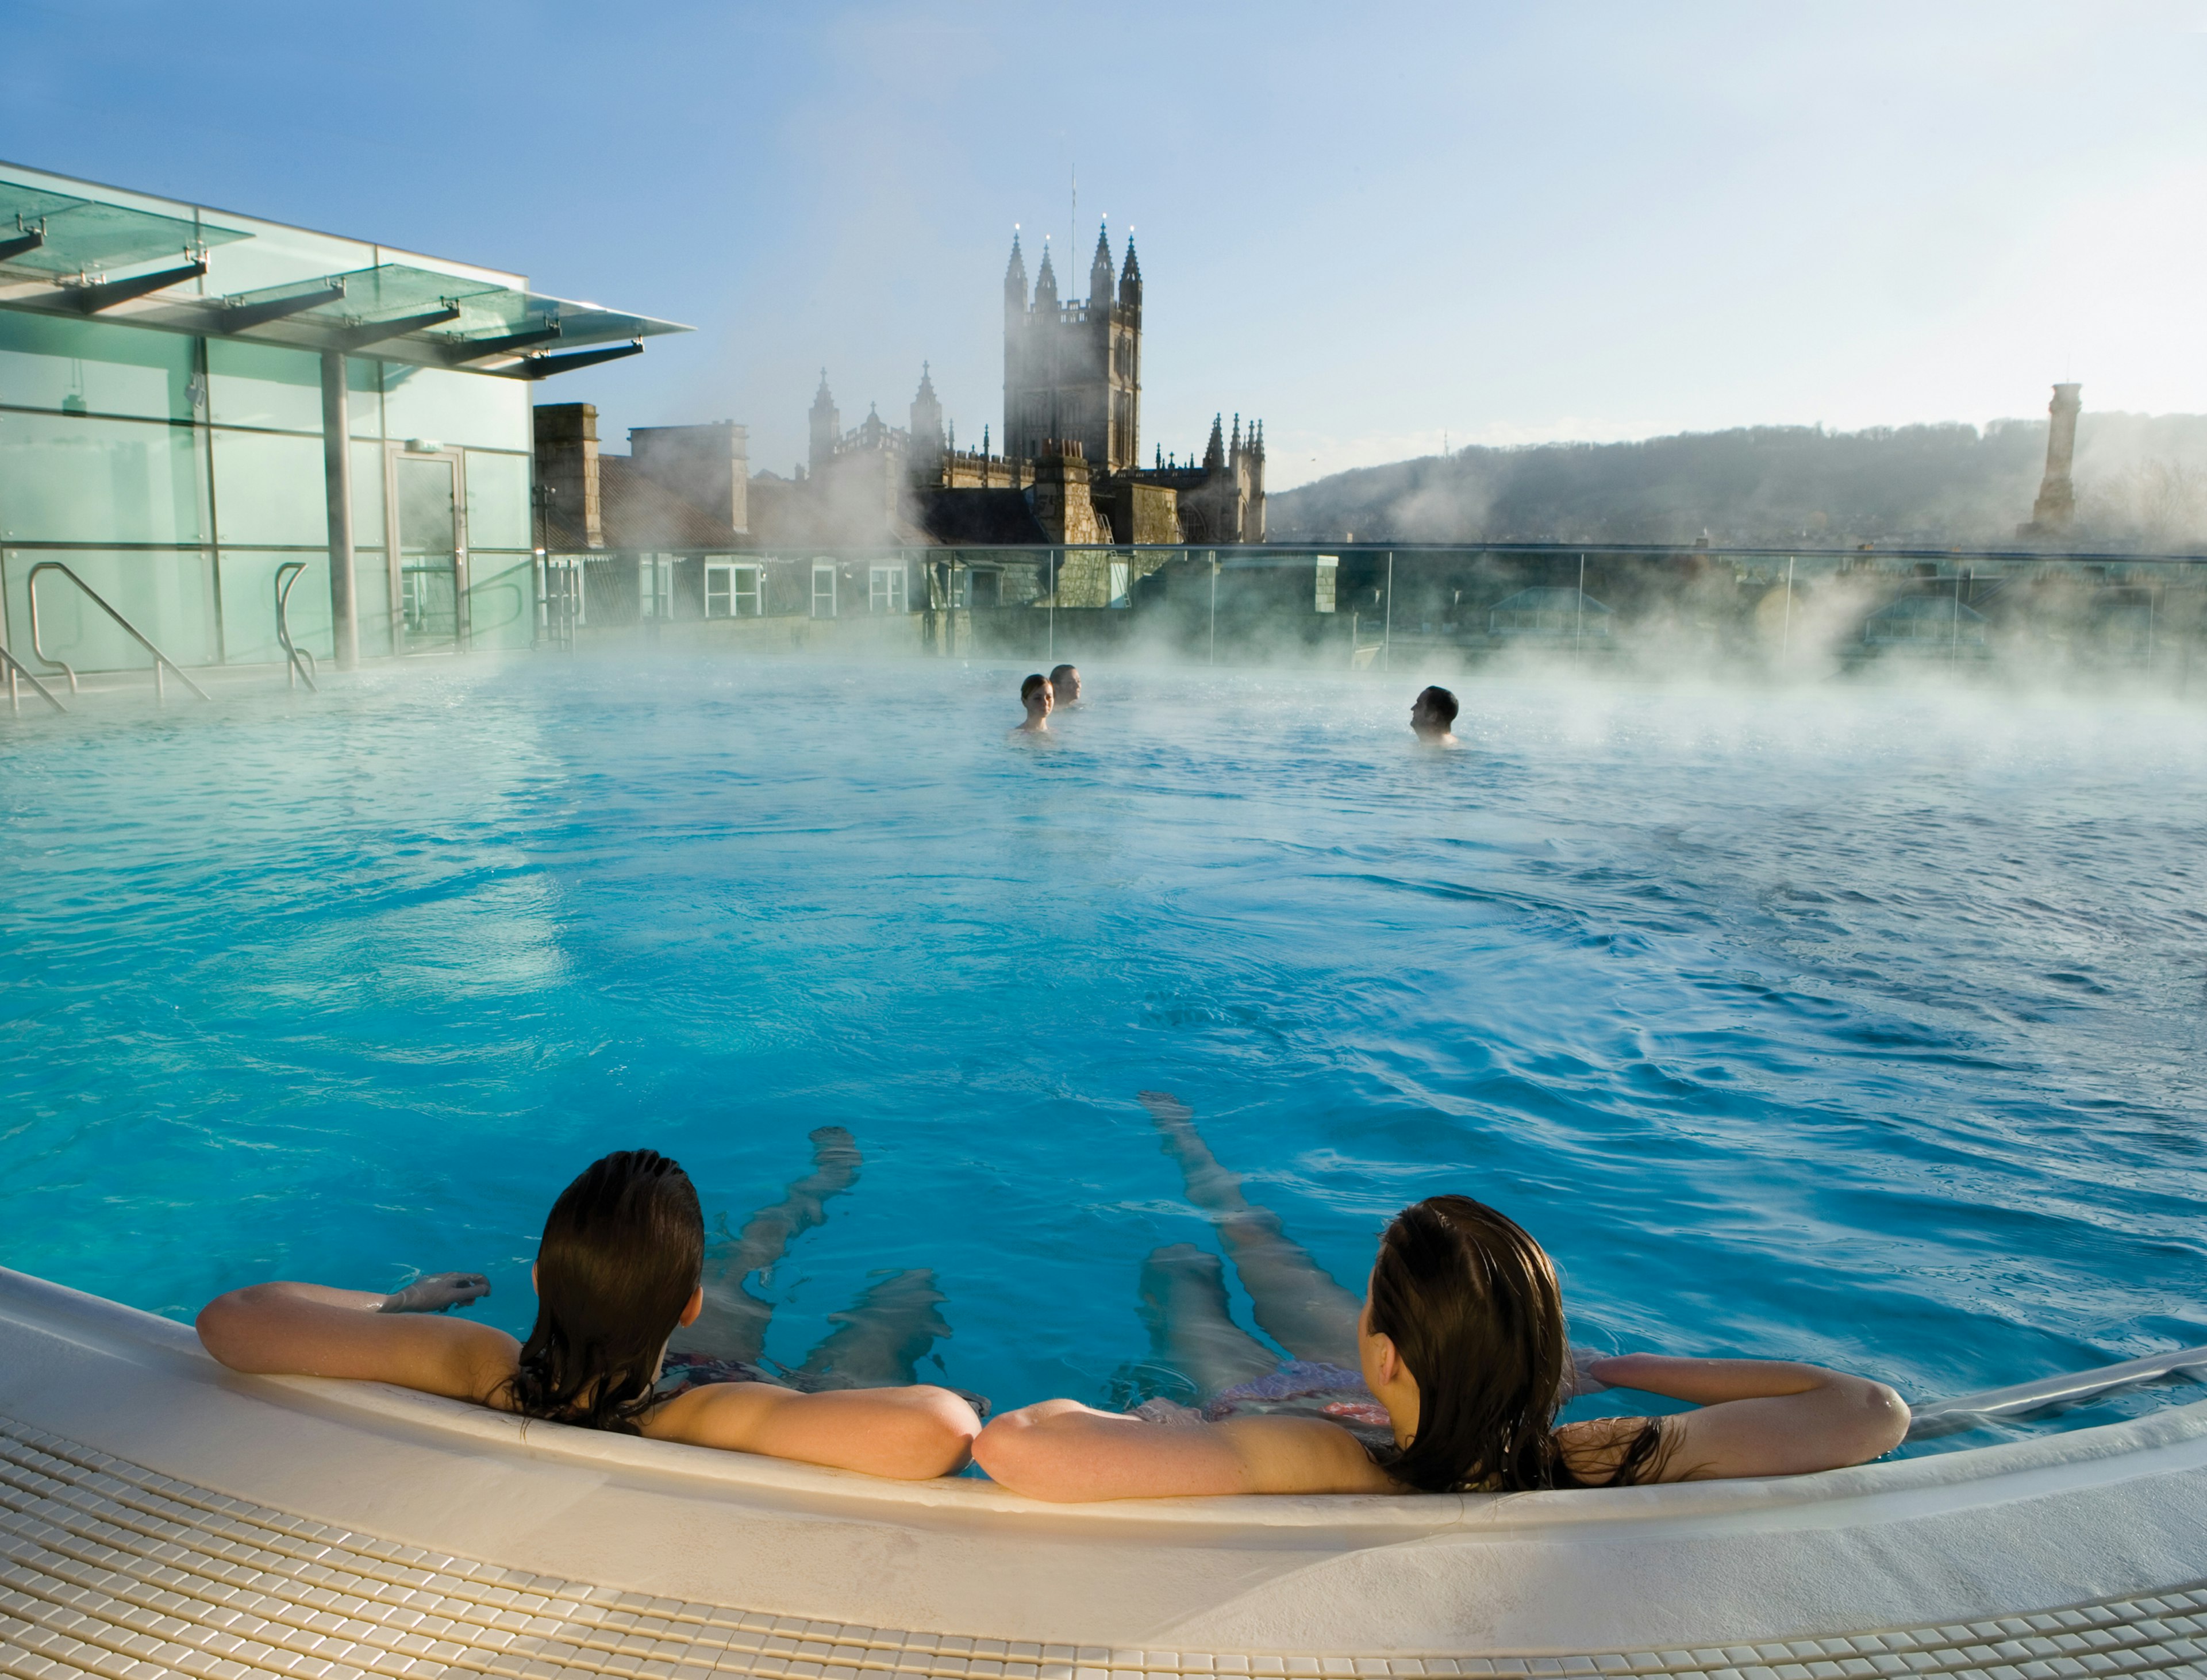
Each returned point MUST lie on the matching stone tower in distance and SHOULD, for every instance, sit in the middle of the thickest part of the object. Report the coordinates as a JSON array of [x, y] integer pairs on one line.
[[2056, 505], [1073, 372]]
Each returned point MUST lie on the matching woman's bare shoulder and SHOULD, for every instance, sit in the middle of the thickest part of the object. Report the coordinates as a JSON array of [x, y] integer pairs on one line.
[[1302, 1454], [710, 1406]]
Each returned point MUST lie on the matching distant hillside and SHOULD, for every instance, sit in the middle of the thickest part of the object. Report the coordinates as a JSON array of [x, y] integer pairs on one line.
[[2140, 479]]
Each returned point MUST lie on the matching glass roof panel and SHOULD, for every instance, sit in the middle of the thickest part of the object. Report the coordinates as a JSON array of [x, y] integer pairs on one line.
[[388, 290], [84, 234], [593, 324], [487, 310]]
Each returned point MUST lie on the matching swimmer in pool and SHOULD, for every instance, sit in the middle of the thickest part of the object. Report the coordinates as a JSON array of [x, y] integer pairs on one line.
[[619, 1272], [1459, 1361], [1432, 717], [1035, 695], [1065, 687]]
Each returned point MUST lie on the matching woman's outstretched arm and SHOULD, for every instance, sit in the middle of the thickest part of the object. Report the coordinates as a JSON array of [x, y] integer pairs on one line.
[[305, 1329], [1062, 1450], [912, 1434], [1757, 1418]]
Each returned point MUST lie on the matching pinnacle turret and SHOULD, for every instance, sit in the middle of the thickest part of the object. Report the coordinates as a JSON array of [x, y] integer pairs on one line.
[[1214, 455], [1016, 280], [926, 431], [1130, 278], [1045, 280], [1100, 277], [827, 427]]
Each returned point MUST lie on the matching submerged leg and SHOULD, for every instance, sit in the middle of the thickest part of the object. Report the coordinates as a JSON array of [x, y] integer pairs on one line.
[[1191, 1330], [732, 1326], [879, 1337], [1297, 1302]]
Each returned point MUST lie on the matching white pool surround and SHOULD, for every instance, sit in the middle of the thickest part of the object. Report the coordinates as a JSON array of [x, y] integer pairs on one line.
[[157, 1511]]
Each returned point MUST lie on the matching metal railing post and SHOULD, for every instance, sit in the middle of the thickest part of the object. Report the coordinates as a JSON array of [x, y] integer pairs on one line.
[[16, 669], [1214, 607], [1387, 623]]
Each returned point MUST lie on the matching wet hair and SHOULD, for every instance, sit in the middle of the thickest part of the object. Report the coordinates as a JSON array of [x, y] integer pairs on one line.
[[1440, 701], [1058, 673], [624, 1249], [1473, 1306], [1028, 687]]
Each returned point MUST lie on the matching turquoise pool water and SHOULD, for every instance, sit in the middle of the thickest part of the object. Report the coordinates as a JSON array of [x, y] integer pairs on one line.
[[1862, 1027]]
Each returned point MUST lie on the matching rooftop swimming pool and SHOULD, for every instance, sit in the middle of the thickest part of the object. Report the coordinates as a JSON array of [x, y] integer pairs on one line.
[[1859, 1026]]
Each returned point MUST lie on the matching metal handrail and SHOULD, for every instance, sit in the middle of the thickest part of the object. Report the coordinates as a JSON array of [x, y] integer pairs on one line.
[[15, 668], [286, 574], [2055, 1393], [160, 659]]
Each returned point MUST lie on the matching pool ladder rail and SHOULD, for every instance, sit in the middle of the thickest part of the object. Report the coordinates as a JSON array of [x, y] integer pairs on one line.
[[298, 662], [160, 660], [2050, 1395]]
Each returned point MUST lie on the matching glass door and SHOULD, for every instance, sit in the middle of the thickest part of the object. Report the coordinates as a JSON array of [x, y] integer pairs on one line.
[[431, 604]]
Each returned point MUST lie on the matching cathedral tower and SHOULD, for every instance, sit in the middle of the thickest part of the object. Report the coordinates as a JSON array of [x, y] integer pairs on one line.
[[1073, 371]]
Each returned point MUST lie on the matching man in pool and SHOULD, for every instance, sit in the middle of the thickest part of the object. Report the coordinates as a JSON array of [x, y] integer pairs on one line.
[[1432, 717], [1065, 686], [1035, 694]]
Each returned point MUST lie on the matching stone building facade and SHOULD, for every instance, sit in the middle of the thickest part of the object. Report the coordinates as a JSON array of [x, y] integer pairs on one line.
[[1071, 446]]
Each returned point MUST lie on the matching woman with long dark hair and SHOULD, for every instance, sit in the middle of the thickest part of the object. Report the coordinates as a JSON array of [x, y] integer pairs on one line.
[[619, 1272], [1462, 1341]]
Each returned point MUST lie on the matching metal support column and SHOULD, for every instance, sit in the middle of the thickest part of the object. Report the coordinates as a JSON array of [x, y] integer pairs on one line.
[[1786, 634], [336, 481], [1387, 623]]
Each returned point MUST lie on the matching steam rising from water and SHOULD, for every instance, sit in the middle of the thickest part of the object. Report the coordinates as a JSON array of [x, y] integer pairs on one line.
[[1862, 1027]]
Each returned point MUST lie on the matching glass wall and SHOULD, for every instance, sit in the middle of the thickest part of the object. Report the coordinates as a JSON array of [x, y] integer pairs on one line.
[[178, 476]]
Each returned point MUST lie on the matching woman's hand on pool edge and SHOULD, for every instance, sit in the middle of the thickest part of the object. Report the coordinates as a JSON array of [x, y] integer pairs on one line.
[[439, 1292], [914, 1433]]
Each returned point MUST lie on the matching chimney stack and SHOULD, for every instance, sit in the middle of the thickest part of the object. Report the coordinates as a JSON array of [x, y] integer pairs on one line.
[[707, 466], [567, 467], [1064, 505]]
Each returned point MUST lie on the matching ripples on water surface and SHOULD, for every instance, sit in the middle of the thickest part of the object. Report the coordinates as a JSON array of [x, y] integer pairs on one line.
[[1857, 1027]]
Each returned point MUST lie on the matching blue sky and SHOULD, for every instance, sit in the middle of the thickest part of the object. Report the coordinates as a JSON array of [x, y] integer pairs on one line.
[[1374, 226]]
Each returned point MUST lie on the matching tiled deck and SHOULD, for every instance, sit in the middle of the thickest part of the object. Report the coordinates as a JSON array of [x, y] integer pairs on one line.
[[107, 1569]]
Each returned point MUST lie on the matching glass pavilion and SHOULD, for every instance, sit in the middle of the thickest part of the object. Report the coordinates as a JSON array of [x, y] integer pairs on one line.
[[198, 408]]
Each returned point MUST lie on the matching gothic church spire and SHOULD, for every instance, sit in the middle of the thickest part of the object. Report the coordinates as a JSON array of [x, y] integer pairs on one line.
[[1045, 281], [1130, 278], [1100, 277], [1016, 280]]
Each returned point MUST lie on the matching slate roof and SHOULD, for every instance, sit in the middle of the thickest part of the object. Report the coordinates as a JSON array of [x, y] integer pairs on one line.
[[979, 518], [640, 512]]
